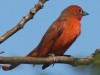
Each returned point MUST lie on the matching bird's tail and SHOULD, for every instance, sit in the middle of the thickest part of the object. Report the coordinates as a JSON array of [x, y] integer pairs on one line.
[[45, 66], [34, 53]]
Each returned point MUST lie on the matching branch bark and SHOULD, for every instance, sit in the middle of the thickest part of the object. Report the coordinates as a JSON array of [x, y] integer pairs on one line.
[[95, 57], [25, 19]]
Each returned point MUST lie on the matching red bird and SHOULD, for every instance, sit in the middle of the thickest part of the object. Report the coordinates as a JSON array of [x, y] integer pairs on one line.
[[60, 36]]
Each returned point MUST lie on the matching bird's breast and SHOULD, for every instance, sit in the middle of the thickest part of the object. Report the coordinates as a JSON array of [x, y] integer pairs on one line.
[[72, 29]]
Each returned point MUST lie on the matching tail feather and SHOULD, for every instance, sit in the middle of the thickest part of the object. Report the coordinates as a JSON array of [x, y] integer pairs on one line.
[[34, 53], [45, 66]]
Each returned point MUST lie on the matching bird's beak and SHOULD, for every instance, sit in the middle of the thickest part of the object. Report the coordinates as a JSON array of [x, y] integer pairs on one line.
[[84, 13]]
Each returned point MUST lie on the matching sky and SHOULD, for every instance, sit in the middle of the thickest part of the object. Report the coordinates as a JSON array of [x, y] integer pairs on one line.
[[25, 40]]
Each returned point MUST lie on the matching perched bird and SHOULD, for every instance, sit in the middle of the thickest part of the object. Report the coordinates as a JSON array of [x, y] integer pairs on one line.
[[60, 35]]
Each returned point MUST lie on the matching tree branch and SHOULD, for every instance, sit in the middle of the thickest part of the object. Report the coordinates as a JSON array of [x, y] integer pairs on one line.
[[95, 57], [25, 19]]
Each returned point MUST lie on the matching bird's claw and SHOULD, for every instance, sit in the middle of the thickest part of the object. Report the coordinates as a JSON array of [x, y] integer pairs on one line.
[[0, 66], [33, 65], [54, 59]]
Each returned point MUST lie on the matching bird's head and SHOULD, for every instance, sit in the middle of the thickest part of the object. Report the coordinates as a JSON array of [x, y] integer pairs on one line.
[[75, 11]]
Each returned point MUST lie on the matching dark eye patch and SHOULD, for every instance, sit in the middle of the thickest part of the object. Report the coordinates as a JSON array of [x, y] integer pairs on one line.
[[80, 11]]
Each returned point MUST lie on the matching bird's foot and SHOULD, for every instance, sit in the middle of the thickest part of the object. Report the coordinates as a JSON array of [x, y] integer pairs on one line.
[[54, 59]]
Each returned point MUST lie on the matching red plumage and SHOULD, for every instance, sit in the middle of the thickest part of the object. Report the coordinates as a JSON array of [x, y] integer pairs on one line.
[[60, 36]]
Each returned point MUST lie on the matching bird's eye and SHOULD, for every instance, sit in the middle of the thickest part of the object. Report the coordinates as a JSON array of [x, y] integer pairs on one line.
[[80, 11]]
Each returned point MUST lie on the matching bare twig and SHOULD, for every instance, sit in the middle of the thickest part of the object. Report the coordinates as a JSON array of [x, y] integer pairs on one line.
[[20, 25], [58, 59]]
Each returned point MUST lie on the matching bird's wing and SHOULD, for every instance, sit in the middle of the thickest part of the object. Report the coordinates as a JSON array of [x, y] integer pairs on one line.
[[48, 40]]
